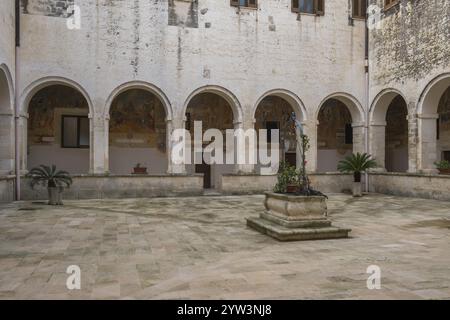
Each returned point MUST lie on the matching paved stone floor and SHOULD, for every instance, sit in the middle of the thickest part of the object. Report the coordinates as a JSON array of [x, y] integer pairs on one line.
[[200, 248]]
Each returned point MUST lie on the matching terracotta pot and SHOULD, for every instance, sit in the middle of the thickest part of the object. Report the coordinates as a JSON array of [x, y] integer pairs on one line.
[[444, 171], [292, 188], [140, 170]]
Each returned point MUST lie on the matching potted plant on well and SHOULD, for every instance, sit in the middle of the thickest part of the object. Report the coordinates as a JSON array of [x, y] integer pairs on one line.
[[138, 169], [443, 167], [357, 164], [287, 179], [51, 178]]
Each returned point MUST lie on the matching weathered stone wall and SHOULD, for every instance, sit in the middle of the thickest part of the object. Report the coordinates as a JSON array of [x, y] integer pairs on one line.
[[412, 43], [7, 189], [7, 34], [411, 185], [254, 184], [248, 52], [409, 50], [91, 187], [7, 62]]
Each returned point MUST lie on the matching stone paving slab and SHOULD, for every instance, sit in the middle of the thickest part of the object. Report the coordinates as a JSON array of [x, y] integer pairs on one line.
[[200, 248]]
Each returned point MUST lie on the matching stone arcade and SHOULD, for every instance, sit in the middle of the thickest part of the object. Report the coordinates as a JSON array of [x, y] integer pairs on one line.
[[98, 100]]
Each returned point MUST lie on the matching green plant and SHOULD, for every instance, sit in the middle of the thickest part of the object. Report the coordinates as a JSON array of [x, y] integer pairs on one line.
[[287, 175], [444, 164], [49, 177], [357, 164]]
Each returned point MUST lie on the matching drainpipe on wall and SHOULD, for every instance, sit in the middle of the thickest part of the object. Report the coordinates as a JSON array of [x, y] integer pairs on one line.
[[367, 84], [16, 101]]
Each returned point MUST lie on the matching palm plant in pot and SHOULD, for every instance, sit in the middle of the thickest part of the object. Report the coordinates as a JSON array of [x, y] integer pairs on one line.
[[357, 164], [51, 178]]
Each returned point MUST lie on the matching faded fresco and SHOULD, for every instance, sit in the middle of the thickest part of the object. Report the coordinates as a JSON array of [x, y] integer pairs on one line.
[[52, 8], [42, 111], [137, 120], [183, 13], [333, 118]]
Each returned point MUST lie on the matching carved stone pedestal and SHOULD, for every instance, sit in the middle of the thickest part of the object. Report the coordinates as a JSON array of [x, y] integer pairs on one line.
[[296, 218]]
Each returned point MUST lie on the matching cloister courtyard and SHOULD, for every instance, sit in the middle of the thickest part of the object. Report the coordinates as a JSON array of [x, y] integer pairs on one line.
[[200, 248]]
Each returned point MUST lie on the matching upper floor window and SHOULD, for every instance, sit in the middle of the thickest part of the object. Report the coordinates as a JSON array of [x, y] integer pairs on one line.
[[309, 6], [390, 3], [359, 9], [245, 3]]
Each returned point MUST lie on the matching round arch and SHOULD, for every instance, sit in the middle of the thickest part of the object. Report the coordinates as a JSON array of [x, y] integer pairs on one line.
[[7, 154], [45, 82], [4, 70], [354, 106], [76, 155], [142, 85], [294, 101], [224, 93], [429, 99], [381, 103], [428, 114]]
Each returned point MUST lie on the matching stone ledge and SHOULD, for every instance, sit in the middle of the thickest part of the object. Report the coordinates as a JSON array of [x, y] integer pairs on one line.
[[9, 177], [408, 174]]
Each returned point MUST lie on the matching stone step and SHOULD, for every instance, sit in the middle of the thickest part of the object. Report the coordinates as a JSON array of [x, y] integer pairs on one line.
[[283, 233], [322, 223]]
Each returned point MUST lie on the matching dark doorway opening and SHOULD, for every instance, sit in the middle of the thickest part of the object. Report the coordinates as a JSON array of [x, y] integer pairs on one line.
[[204, 169]]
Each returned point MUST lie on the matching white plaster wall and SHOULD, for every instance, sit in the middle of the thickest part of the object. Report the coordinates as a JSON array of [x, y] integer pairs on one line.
[[126, 41], [7, 34], [327, 160], [123, 160], [7, 66]]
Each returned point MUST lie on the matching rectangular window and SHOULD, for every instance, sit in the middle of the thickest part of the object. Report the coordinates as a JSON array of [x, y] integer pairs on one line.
[[359, 9], [438, 129], [348, 134], [245, 3], [75, 132], [316, 7], [271, 125]]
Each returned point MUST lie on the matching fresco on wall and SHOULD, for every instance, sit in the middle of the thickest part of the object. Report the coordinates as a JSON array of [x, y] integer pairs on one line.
[[183, 13], [42, 108], [213, 110], [333, 118], [276, 109], [51, 8], [137, 120]]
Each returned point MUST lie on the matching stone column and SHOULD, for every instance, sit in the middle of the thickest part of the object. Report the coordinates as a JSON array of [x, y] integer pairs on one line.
[[23, 142], [99, 153], [427, 151], [172, 125], [245, 168], [377, 144], [310, 129], [359, 137]]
